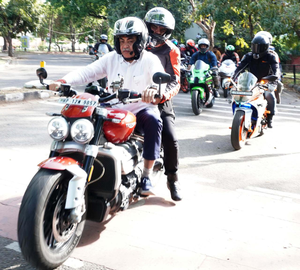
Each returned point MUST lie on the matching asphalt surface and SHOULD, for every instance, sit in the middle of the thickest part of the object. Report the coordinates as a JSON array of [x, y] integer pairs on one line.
[[212, 228]]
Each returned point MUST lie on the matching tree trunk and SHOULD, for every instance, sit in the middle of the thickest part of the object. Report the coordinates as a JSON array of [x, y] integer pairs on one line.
[[5, 44], [10, 46]]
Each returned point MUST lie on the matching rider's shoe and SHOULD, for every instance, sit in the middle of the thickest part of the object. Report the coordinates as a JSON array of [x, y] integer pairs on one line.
[[146, 187], [173, 186], [269, 120], [216, 93]]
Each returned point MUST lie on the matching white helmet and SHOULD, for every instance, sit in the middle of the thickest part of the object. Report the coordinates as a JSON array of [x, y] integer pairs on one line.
[[131, 26], [161, 17], [204, 41]]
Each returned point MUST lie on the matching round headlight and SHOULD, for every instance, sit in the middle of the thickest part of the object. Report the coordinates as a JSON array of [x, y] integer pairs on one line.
[[58, 128], [82, 131]]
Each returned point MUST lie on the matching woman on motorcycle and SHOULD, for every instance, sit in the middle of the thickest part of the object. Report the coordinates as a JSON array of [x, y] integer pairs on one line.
[[259, 62], [137, 66], [161, 23]]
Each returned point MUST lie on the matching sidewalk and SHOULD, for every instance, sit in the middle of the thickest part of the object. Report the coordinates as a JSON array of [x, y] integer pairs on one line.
[[31, 89]]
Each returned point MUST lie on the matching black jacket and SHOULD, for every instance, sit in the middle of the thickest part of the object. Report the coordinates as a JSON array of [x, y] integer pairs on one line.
[[262, 67]]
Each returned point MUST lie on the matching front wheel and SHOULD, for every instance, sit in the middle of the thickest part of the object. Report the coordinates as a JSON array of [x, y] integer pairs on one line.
[[197, 104], [238, 131], [46, 234]]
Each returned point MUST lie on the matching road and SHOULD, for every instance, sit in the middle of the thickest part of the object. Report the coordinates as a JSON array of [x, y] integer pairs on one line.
[[240, 208]]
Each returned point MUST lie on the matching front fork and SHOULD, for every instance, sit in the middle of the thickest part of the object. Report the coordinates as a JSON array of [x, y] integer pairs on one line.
[[75, 199]]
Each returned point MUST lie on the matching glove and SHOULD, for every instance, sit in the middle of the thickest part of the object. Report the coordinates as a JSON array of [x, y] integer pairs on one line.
[[148, 95]]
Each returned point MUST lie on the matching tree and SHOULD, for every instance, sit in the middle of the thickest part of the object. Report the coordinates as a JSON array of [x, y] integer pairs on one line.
[[17, 16], [180, 10]]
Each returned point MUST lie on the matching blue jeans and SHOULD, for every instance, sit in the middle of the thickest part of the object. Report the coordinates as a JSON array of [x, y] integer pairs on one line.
[[149, 123]]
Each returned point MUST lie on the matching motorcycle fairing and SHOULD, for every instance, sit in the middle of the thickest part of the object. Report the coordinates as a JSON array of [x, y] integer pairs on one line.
[[201, 91], [76, 186]]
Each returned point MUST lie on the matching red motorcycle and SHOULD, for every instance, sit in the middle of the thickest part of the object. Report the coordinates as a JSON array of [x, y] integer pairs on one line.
[[94, 169]]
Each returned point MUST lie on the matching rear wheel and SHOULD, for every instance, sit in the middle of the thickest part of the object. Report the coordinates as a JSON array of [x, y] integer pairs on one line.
[[184, 85], [238, 131], [46, 234], [197, 104]]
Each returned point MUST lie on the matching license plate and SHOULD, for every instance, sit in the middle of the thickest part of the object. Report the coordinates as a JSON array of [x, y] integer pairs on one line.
[[79, 102], [241, 93]]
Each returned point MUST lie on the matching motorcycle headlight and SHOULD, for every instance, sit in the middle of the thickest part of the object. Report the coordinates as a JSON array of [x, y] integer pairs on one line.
[[58, 128], [82, 131]]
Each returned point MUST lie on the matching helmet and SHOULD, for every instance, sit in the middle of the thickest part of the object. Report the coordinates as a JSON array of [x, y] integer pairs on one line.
[[175, 41], [161, 17], [103, 36], [265, 33], [259, 46], [203, 41], [190, 42], [182, 46], [229, 50], [130, 26]]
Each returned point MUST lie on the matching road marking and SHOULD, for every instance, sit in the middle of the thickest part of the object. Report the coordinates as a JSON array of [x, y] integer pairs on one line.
[[271, 193], [14, 246], [71, 262], [74, 263]]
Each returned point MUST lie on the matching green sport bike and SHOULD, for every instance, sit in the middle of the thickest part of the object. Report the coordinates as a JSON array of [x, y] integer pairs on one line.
[[200, 84]]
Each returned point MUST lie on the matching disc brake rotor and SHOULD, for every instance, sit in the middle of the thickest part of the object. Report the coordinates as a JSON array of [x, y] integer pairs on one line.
[[62, 228]]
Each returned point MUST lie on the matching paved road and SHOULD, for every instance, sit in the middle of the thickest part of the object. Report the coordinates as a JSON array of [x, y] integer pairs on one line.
[[240, 208]]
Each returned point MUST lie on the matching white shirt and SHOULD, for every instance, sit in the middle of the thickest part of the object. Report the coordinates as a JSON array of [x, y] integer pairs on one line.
[[137, 75]]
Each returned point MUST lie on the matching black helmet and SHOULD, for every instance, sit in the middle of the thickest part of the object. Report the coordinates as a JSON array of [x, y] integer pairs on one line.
[[131, 26], [259, 46], [161, 17]]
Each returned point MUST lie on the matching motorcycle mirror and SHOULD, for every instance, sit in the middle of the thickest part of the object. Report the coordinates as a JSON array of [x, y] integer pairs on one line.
[[161, 77], [270, 78], [41, 73]]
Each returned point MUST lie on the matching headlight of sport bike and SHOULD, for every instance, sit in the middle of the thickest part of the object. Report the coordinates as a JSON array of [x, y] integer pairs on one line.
[[82, 131], [58, 128]]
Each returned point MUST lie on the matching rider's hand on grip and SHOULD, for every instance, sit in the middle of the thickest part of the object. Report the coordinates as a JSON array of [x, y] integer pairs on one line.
[[55, 86], [148, 95]]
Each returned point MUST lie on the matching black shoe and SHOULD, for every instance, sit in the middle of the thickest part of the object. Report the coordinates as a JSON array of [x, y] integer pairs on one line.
[[173, 186], [269, 120]]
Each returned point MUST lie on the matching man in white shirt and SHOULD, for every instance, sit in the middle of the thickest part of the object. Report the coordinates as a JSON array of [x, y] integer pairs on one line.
[[137, 67]]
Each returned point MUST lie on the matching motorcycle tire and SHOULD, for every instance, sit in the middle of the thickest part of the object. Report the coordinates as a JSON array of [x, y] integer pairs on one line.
[[46, 236], [238, 131], [184, 85], [197, 104]]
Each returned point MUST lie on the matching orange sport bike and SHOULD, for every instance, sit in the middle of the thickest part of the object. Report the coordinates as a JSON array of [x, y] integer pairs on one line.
[[249, 107]]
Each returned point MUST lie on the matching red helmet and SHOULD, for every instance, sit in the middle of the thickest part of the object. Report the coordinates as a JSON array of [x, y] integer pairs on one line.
[[190, 42]]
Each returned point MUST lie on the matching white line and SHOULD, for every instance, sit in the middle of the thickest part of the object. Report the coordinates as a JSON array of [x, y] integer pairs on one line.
[[274, 192], [74, 263], [14, 246]]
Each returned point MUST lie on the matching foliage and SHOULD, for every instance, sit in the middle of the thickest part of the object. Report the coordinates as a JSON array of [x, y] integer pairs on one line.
[[17, 16], [120, 9]]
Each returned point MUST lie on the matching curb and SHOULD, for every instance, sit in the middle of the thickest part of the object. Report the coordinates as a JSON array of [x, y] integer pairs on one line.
[[296, 87], [30, 95]]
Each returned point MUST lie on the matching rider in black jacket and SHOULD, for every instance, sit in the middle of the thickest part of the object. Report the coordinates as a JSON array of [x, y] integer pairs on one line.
[[103, 40], [260, 62]]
